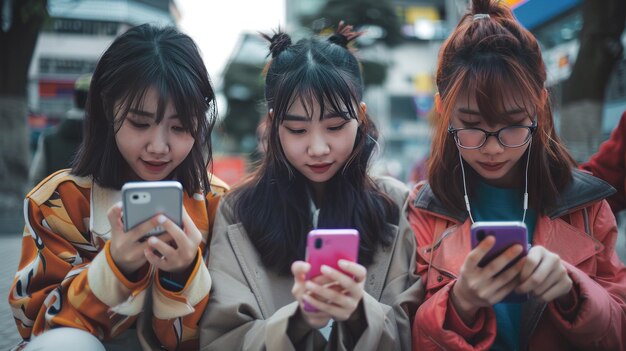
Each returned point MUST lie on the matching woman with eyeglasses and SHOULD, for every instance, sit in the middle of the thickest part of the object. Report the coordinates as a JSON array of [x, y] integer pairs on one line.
[[496, 157]]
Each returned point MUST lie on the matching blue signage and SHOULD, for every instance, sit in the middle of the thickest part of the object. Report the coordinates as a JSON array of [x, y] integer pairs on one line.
[[534, 13]]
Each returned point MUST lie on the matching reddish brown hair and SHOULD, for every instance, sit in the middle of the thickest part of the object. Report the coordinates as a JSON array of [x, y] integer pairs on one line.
[[491, 57]]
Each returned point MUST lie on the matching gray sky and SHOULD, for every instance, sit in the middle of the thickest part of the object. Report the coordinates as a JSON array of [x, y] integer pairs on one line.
[[215, 25]]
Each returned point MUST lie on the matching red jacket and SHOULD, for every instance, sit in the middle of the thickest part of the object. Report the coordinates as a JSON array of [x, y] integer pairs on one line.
[[609, 163], [581, 230]]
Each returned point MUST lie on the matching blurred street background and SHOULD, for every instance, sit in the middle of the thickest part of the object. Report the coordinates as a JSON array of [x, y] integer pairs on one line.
[[45, 45]]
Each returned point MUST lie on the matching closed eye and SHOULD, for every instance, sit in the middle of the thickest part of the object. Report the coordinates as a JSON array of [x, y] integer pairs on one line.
[[336, 128], [179, 129], [138, 125], [295, 131]]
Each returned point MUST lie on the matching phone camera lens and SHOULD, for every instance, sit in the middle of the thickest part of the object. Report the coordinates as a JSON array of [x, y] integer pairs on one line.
[[318, 243], [480, 235], [135, 197]]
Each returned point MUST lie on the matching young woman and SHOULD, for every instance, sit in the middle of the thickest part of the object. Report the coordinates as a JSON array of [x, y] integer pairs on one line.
[[313, 175], [149, 116], [496, 157]]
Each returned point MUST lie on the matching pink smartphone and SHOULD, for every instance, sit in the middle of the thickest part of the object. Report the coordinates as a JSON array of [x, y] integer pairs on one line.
[[327, 247], [506, 234]]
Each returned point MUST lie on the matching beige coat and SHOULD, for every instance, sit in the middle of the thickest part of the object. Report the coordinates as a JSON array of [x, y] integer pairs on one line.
[[250, 306]]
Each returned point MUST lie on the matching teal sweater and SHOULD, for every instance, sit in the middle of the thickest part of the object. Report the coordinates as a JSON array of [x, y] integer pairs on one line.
[[491, 203]]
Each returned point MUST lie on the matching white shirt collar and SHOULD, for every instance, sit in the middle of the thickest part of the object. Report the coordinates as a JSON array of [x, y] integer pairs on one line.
[[101, 201]]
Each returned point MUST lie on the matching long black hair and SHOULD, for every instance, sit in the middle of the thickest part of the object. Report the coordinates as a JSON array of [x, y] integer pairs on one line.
[[147, 57], [274, 203]]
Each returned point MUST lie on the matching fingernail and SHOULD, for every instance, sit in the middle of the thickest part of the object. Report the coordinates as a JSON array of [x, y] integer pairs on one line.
[[343, 263], [326, 269], [119, 204], [161, 219], [153, 240]]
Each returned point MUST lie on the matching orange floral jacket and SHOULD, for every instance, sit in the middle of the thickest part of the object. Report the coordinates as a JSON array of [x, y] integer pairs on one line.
[[66, 276]]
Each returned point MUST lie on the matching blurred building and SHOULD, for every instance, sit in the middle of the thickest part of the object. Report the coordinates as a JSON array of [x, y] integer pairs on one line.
[[73, 39], [557, 26], [241, 88]]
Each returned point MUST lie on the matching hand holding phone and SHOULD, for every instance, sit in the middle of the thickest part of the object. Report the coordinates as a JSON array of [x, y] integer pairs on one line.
[[489, 274], [144, 201], [327, 247], [506, 234], [136, 218]]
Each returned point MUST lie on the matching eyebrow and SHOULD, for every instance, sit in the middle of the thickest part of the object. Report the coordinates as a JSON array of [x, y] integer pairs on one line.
[[148, 114], [290, 117], [477, 113]]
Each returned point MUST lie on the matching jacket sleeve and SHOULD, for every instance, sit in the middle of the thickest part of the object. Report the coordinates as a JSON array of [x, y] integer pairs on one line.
[[600, 319], [56, 285], [177, 309], [609, 164], [437, 325], [233, 319]]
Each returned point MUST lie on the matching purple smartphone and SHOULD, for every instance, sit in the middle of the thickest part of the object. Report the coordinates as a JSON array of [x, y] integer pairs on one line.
[[506, 235], [327, 247]]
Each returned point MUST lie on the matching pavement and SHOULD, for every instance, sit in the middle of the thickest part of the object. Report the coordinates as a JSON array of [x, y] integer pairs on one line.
[[10, 254]]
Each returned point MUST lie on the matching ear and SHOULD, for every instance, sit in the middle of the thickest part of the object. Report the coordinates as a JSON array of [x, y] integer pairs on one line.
[[438, 103]]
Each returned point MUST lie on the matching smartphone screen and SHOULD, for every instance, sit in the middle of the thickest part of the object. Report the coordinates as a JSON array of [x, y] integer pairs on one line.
[[506, 234], [144, 200]]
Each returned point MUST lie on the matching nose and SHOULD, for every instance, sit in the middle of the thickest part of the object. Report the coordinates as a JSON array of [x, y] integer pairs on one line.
[[318, 146], [492, 146], [159, 141]]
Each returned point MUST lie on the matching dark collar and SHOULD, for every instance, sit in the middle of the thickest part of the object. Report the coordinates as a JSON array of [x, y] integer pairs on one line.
[[582, 190]]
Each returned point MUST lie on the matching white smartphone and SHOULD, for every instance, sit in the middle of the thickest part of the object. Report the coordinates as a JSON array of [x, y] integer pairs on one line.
[[143, 200]]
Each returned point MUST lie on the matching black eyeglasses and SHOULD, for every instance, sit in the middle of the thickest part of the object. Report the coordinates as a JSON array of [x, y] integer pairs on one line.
[[475, 138]]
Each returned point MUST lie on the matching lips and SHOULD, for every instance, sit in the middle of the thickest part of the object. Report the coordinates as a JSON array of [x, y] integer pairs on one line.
[[154, 166], [320, 167], [491, 166]]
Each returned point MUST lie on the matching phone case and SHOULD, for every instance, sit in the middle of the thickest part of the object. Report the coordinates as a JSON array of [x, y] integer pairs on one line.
[[506, 234], [327, 247], [144, 200]]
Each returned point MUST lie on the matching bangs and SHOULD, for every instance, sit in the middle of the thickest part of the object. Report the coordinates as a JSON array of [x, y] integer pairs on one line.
[[500, 86], [190, 105], [329, 89]]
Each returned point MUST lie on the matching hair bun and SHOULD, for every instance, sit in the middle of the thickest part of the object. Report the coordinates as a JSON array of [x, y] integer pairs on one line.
[[339, 40], [344, 35], [278, 42]]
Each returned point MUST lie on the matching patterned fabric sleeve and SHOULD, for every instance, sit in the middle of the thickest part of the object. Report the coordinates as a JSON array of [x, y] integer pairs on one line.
[[53, 286]]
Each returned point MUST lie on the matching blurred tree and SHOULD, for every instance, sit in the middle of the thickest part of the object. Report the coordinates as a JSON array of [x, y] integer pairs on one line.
[[374, 72], [243, 87], [20, 21], [359, 13], [583, 93]]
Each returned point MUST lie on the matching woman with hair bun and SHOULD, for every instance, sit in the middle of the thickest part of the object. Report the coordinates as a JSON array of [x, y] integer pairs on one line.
[[313, 175], [496, 157]]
